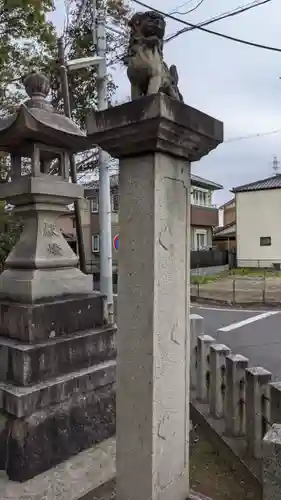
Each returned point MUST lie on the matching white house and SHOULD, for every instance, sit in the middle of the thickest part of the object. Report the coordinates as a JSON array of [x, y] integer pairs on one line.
[[258, 213]]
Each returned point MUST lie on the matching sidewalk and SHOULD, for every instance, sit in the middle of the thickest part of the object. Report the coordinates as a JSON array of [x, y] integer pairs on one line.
[[240, 290]]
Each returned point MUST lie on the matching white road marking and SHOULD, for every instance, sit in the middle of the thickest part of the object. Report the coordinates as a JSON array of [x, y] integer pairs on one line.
[[247, 321], [226, 309]]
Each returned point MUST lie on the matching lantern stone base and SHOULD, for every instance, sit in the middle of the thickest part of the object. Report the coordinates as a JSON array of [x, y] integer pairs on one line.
[[57, 390], [31, 285]]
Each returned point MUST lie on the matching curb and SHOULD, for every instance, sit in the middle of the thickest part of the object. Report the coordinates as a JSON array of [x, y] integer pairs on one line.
[[227, 303]]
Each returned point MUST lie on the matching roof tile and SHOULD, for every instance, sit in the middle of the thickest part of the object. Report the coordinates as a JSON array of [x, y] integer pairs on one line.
[[273, 182]]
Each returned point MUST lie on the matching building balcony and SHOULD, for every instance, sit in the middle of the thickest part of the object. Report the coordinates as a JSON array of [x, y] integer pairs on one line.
[[207, 216]]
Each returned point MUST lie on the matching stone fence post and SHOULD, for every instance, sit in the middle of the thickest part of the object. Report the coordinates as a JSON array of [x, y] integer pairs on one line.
[[196, 329], [236, 365], [218, 355], [275, 403], [257, 407], [204, 343], [155, 138]]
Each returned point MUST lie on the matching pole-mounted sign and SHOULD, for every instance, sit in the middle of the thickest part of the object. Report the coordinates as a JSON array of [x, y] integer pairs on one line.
[[116, 242]]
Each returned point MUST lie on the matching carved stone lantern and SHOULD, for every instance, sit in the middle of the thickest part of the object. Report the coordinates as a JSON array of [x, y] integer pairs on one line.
[[42, 264], [57, 351]]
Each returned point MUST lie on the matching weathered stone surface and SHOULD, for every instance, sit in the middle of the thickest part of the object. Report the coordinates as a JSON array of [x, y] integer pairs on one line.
[[90, 475], [155, 123], [25, 364], [197, 496], [51, 319], [153, 338], [36, 443], [271, 448], [23, 401], [82, 477], [30, 286]]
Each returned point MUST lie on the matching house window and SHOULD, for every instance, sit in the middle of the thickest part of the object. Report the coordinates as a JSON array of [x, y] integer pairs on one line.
[[203, 198], [200, 197], [115, 203], [96, 243], [265, 241], [200, 240], [95, 204], [196, 196]]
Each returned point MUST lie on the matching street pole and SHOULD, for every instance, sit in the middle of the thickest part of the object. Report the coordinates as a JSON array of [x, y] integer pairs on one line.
[[67, 111], [106, 286]]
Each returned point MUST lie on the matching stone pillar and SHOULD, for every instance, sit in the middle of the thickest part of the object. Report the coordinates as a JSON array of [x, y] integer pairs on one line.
[[275, 403], [218, 355], [236, 365], [155, 138], [196, 329], [271, 463], [257, 407], [204, 343]]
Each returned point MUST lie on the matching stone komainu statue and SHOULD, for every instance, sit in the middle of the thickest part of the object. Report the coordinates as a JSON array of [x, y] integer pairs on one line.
[[146, 69]]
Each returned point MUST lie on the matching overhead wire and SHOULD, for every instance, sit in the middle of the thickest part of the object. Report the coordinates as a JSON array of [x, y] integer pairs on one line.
[[180, 6], [212, 32], [252, 136], [224, 15], [177, 11]]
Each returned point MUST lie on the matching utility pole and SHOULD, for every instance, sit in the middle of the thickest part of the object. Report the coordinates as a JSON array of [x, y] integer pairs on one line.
[[106, 287], [275, 165], [67, 111]]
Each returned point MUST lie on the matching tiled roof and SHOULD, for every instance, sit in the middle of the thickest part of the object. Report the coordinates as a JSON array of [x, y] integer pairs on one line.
[[222, 228], [273, 182], [200, 181], [195, 181], [229, 202]]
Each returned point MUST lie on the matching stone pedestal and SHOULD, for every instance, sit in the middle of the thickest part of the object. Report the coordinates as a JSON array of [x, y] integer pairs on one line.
[[57, 355], [155, 138], [57, 372]]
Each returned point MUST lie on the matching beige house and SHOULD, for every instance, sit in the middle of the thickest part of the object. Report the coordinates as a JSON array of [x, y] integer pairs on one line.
[[258, 210], [224, 236]]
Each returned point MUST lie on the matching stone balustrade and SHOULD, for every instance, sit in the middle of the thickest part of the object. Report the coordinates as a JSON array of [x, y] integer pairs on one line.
[[242, 397]]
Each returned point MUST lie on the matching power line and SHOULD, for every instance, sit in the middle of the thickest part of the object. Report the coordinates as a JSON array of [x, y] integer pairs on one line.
[[252, 136], [180, 6], [227, 37], [224, 15], [177, 11]]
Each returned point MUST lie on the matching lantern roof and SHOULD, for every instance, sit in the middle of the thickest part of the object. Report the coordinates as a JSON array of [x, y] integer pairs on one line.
[[36, 120]]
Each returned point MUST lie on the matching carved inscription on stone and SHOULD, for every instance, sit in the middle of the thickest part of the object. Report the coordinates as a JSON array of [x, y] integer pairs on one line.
[[54, 250], [49, 230]]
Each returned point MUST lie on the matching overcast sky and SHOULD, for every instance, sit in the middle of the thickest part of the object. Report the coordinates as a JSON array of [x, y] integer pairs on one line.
[[237, 84]]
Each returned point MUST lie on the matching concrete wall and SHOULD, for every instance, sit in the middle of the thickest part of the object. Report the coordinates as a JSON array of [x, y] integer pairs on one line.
[[257, 216]]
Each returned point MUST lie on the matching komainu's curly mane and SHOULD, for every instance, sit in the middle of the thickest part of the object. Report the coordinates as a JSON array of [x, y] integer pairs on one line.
[[146, 69]]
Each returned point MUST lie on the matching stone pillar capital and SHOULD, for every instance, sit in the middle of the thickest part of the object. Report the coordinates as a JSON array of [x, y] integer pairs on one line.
[[155, 123]]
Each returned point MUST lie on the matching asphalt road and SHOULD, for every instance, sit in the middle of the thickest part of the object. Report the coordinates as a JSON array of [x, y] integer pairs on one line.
[[254, 333]]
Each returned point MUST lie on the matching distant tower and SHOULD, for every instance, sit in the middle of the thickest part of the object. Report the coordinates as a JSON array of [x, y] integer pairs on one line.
[[275, 165]]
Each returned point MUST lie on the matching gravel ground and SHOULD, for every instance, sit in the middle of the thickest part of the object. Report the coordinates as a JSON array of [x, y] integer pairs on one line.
[[211, 476]]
